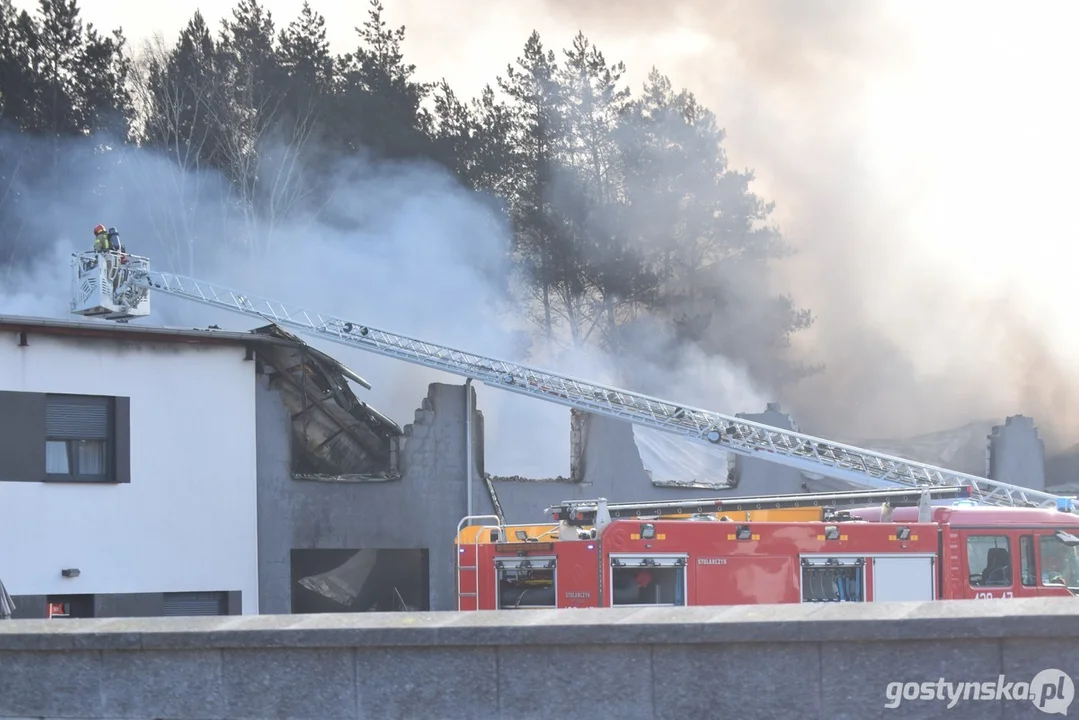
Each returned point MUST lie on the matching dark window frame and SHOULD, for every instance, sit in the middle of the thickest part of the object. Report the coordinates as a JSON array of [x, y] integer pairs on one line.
[[1068, 573], [73, 439], [1028, 573], [972, 541]]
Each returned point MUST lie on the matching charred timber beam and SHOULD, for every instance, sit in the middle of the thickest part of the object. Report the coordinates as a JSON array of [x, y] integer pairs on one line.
[[320, 403]]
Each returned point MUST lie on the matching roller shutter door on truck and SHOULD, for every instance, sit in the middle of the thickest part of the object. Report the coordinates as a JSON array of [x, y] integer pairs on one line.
[[909, 578], [195, 603]]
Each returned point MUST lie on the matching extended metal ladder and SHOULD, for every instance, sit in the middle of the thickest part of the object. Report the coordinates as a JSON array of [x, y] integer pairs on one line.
[[583, 512], [804, 452]]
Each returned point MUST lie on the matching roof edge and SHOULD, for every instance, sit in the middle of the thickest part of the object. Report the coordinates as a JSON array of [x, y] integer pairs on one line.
[[125, 331]]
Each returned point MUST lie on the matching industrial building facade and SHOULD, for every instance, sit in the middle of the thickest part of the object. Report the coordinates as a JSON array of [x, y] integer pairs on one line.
[[152, 471]]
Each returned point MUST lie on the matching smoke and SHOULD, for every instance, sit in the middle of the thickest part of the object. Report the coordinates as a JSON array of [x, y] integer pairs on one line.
[[920, 157], [400, 246]]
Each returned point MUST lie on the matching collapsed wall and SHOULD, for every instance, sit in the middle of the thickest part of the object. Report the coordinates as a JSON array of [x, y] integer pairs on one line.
[[962, 449], [360, 506], [407, 491], [605, 462], [1015, 453], [415, 508]]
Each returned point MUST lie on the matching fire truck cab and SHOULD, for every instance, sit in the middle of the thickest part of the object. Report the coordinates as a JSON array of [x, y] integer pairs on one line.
[[743, 551], [994, 552]]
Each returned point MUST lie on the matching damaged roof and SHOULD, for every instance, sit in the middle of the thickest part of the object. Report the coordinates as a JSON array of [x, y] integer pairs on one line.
[[271, 343], [273, 331], [336, 436]]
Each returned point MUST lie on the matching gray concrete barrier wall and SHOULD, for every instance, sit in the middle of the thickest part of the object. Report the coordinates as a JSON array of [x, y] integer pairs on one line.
[[769, 662]]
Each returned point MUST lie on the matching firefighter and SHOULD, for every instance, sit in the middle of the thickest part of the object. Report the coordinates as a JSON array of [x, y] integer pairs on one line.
[[101, 239]]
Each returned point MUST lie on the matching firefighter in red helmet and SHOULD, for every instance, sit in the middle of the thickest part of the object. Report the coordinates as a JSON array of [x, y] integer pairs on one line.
[[101, 238]]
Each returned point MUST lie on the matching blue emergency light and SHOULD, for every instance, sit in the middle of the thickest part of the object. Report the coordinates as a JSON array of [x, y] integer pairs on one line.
[[1066, 504], [966, 497]]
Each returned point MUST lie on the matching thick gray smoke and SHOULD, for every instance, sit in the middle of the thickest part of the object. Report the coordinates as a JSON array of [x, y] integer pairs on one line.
[[428, 260], [919, 155]]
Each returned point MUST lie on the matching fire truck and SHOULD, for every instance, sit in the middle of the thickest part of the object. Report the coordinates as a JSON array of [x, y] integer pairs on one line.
[[931, 543]]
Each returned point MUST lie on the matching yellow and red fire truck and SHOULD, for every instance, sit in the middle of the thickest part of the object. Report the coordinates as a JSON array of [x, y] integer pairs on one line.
[[933, 543]]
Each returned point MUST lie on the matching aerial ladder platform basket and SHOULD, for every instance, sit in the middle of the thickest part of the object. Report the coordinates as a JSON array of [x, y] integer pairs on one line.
[[123, 292], [103, 285]]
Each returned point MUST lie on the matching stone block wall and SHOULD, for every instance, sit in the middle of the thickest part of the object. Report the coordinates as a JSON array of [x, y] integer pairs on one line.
[[828, 662]]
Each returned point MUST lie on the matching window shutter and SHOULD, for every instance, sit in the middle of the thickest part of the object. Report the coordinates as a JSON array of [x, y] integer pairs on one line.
[[77, 418]]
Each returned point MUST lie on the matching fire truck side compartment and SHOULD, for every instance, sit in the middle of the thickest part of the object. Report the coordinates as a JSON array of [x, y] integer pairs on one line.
[[688, 563]]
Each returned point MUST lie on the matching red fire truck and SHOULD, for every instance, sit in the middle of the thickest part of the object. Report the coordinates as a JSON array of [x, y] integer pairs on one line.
[[865, 546]]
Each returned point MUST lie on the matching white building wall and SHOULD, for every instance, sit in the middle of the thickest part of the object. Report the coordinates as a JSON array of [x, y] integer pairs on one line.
[[187, 520]]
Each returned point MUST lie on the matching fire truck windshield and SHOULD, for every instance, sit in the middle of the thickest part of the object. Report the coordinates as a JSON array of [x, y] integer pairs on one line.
[[1060, 559]]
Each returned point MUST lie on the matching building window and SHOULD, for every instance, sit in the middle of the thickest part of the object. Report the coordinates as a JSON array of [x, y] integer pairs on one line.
[[79, 438]]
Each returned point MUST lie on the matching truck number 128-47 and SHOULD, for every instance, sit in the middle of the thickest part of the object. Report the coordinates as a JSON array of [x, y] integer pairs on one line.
[[990, 596]]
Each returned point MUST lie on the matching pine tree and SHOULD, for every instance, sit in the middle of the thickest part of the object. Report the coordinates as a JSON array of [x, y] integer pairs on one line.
[[543, 241], [611, 264], [305, 57], [379, 106], [18, 94]]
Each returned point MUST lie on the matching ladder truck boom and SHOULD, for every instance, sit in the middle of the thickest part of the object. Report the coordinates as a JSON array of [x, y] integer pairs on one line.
[[118, 291], [585, 512]]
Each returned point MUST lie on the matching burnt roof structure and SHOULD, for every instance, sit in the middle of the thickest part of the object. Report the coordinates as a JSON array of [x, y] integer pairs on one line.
[[340, 437], [336, 436]]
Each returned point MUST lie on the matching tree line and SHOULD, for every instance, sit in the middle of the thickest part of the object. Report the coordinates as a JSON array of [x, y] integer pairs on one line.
[[622, 204]]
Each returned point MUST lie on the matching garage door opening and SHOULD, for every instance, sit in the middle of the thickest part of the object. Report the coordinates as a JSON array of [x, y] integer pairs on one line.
[[368, 580], [69, 606]]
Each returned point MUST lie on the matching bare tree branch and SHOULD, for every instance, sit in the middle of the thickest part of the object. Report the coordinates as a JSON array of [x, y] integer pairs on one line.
[[172, 112]]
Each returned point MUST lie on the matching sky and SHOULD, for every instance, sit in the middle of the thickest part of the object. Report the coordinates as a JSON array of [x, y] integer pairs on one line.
[[919, 153]]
